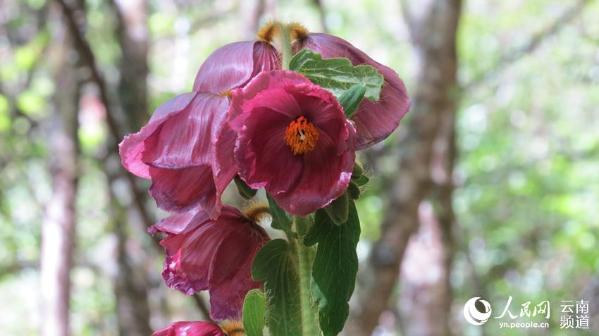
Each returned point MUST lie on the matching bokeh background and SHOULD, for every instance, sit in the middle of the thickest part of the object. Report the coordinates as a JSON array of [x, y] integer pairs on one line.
[[490, 187]]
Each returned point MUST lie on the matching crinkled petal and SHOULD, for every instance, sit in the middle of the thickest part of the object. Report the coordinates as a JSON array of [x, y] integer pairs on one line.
[[261, 83], [214, 255], [325, 176], [374, 120], [264, 158], [190, 328], [189, 254], [229, 285], [232, 65], [190, 156], [262, 111], [133, 145]]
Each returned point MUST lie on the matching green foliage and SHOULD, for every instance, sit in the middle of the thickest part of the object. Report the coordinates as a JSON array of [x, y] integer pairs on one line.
[[275, 265], [338, 209], [351, 98], [335, 267], [244, 190], [280, 219], [254, 312], [338, 74]]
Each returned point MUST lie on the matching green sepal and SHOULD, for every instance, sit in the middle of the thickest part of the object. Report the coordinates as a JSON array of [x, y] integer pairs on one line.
[[274, 264], [244, 190], [360, 180], [254, 313], [335, 267], [350, 99], [338, 209], [353, 190], [357, 171], [337, 74]]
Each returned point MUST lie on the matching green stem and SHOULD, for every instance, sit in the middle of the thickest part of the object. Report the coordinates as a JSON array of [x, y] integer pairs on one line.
[[305, 257], [285, 45]]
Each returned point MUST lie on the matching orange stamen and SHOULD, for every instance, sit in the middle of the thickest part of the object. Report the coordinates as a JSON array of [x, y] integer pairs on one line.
[[301, 136], [297, 31], [268, 32], [232, 328]]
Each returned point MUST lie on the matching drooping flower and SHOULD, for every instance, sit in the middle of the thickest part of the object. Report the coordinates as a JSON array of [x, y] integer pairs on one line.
[[374, 120], [186, 147], [293, 140], [214, 255], [191, 328]]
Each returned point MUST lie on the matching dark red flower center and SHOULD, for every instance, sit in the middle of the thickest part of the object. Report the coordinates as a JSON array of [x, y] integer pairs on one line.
[[301, 136]]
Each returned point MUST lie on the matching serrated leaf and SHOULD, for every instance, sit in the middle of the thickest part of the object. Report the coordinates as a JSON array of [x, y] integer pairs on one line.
[[335, 267], [337, 74], [254, 313], [274, 264], [280, 220]]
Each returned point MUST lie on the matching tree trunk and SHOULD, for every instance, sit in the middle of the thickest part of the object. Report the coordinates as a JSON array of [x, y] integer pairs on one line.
[[131, 283], [58, 227], [433, 26]]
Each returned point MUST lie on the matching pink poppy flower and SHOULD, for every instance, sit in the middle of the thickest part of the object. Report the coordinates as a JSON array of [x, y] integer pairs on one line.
[[191, 328], [214, 255], [293, 140], [186, 148], [374, 121]]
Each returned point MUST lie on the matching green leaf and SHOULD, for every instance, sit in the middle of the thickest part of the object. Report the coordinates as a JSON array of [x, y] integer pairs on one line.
[[274, 264], [244, 190], [338, 209], [254, 311], [357, 171], [280, 220], [337, 74], [351, 98], [335, 267], [354, 191], [360, 180]]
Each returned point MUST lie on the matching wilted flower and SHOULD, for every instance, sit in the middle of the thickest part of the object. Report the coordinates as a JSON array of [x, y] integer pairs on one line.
[[191, 328], [217, 255], [374, 120], [293, 140], [186, 147]]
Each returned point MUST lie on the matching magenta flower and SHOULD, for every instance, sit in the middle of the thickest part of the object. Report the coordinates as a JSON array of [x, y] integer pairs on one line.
[[191, 328], [217, 255], [186, 148], [374, 121], [293, 140]]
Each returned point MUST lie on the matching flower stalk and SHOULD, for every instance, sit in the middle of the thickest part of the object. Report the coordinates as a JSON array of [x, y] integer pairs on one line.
[[305, 256], [285, 41]]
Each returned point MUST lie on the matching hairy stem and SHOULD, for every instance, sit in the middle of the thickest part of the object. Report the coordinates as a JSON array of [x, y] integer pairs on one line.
[[305, 256], [285, 41]]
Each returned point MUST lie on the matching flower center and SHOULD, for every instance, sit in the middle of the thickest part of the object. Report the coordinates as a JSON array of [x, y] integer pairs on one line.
[[301, 136]]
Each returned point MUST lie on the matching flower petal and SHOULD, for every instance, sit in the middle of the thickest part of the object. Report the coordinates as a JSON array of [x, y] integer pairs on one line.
[[374, 120], [190, 328], [262, 111], [229, 285], [233, 65], [264, 158], [217, 255], [325, 176], [189, 155], [258, 86], [133, 145]]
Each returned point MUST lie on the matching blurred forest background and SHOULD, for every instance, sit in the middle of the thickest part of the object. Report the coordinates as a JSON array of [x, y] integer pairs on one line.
[[489, 188]]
